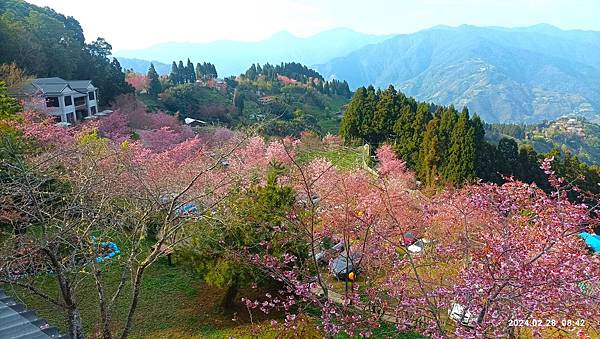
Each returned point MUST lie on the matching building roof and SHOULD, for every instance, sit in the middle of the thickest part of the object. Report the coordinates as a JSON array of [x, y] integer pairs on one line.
[[57, 86], [81, 85], [189, 121], [17, 322]]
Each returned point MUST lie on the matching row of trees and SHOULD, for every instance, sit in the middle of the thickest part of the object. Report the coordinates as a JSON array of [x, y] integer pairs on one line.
[[45, 43], [300, 73], [186, 74], [438, 143], [334, 87], [291, 70], [443, 145]]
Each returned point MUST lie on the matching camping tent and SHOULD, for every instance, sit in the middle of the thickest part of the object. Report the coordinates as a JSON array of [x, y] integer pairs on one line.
[[341, 267]]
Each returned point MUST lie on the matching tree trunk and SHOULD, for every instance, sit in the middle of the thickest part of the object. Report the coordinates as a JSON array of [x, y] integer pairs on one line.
[[229, 297], [104, 312], [66, 291], [134, 301], [75, 326]]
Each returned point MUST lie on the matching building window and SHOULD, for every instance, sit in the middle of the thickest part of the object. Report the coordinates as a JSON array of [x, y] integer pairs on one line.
[[52, 102], [91, 96], [93, 109], [68, 101], [80, 101]]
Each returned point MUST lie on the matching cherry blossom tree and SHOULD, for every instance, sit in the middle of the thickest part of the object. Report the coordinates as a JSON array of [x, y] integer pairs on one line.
[[139, 81]]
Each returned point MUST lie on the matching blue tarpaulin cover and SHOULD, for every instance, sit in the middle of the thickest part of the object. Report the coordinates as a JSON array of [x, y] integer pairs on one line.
[[592, 240]]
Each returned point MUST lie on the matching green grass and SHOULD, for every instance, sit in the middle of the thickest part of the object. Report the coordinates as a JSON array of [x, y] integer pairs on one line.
[[174, 303], [342, 157]]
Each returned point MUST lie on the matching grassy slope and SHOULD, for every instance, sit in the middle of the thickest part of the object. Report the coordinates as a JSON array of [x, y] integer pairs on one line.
[[345, 158], [173, 304]]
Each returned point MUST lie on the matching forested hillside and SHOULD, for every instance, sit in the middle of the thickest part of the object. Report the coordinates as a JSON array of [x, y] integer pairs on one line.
[[576, 135], [522, 75], [444, 145], [286, 99], [44, 43]]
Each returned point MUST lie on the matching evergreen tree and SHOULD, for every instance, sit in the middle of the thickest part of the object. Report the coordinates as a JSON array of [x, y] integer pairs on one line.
[[181, 78], [508, 151], [422, 118], [447, 121], [403, 129], [368, 132], [238, 101], [350, 124], [385, 115], [190, 72], [251, 73], [430, 154], [199, 71], [154, 85], [461, 162], [174, 76]]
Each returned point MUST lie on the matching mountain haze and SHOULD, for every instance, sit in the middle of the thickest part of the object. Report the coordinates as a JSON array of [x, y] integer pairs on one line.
[[142, 66], [234, 57], [506, 75]]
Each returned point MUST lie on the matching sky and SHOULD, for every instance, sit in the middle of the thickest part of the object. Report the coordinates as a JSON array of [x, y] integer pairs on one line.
[[136, 24]]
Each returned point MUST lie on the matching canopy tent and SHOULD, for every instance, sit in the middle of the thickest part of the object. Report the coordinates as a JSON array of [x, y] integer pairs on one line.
[[592, 240]]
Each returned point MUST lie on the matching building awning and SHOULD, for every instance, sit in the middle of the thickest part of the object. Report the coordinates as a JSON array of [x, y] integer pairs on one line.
[[17, 322]]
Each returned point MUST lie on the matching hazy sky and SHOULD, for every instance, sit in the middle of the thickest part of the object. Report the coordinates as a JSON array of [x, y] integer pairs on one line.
[[132, 24]]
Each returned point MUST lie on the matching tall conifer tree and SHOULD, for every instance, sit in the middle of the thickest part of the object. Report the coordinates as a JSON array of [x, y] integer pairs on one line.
[[154, 86]]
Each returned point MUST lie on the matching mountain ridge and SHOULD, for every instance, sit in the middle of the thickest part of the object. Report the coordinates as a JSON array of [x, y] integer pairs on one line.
[[233, 57], [504, 74]]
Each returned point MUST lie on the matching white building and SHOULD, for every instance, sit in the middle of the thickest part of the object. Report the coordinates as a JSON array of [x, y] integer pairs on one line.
[[69, 101]]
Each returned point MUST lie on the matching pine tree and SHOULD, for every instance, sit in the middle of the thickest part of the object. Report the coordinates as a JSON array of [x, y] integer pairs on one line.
[[251, 72], [174, 74], [447, 121], [403, 129], [422, 118], [199, 71], [350, 125], [214, 71], [190, 72], [430, 154], [461, 162], [181, 78], [366, 116], [154, 85], [385, 114], [508, 151]]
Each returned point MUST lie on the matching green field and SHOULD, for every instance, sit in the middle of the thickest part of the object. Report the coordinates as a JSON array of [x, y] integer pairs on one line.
[[173, 304], [344, 158]]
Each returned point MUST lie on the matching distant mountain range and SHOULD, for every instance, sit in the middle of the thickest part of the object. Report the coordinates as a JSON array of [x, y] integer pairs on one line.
[[523, 75], [234, 57], [506, 75], [142, 66]]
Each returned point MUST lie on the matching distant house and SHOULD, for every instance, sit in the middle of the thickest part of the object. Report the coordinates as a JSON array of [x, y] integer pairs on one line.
[[68, 101], [266, 99], [218, 84]]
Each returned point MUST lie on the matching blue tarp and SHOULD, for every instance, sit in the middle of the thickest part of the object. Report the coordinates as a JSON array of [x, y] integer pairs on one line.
[[592, 240], [188, 208]]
